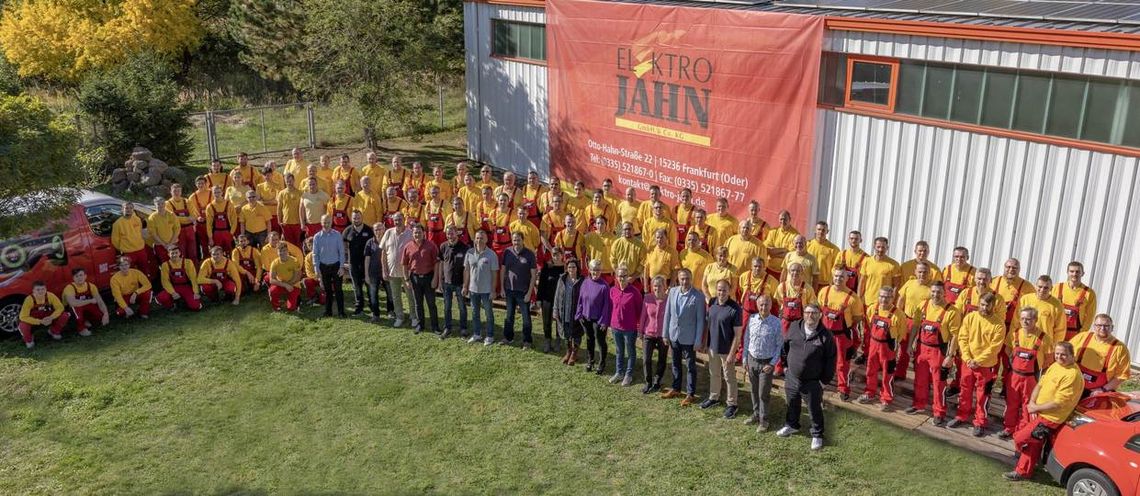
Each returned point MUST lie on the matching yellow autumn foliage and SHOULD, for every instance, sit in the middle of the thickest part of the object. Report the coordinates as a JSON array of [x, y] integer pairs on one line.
[[63, 39]]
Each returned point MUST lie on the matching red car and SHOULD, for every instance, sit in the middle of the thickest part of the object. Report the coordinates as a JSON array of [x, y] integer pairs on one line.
[[1097, 452]]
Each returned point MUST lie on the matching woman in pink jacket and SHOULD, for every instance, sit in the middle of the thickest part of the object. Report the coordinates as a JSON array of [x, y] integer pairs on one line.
[[652, 322], [625, 314]]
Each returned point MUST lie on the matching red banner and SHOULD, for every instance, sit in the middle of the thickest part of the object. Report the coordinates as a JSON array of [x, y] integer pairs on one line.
[[716, 100]]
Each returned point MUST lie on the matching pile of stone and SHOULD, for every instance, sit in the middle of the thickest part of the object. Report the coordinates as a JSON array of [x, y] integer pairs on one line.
[[142, 173]]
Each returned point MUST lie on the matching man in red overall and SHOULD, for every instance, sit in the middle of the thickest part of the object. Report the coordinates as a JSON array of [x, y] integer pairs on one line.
[[885, 327], [530, 198], [938, 325], [434, 212], [959, 275], [41, 308], [1103, 359], [180, 207], [221, 221], [85, 301], [1077, 300], [1050, 403], [179, 282], [1029, 354], [218, 277], [340, 207], [842, 309]]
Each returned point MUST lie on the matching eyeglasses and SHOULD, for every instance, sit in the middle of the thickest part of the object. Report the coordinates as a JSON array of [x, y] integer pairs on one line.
[[1103, 326]]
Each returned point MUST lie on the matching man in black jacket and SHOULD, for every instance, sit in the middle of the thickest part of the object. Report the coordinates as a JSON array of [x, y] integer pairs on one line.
[[809, 352]]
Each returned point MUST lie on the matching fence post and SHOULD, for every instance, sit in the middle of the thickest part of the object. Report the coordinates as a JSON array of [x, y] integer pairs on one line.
[[312, 126], [440, 106], [211, 136]]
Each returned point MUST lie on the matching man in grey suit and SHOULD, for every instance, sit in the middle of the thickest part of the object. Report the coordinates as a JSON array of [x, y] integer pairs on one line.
[[684, 324]]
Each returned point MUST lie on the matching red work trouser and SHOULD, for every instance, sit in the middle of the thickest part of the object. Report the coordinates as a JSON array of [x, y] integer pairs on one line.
[[87, 314], [291, 233], [843, 342], [927, 375], [229, 289], [143, 302], [904, 353], [56, 328], [973, 395], [313, 289], [224, 239], [203, 251], [291, 297], [140, 259], [185, 293], [312, 229], [188, 242], [1028, 447], [1017, 392], [879, 358]]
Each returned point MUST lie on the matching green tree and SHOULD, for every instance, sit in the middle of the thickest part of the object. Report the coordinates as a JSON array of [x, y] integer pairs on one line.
[[266, 32], [137, 104], [9, 80], [38, 162]]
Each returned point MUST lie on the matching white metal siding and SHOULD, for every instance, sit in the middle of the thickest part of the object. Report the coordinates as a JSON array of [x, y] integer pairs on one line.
[[1088, 61], [506, 100], [999, 197]]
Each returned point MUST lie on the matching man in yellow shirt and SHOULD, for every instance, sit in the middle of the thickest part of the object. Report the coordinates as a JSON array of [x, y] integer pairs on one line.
[[913, 295], [373, 169], [85, 301], [1050, 404], [569, 241], [577, 203], [344, 171], [1029, 348], [41, 308], [719, 270], [936, 342], [464, 221], [660, 260], [611, 197], [700, 226], [851, 260], [876, 272], [255, 218], [199, 200], [247, 172], [743, 247], [486, 178], [779, 242], [1103, 359], [599, 207], [921, 256], [597, 247], [130, 287], [1011, 287], [1078, 301], [723, 224], [842, 312], [217, 176], [968, 300], [694, 257], [446, 189], [284, 280], [324, 174], [510, 187], [163, 229], [800, 255], [314, 205], [179, 281], [525, 227], [824, 251], [1050, 315], [127, 237], [414, 208], [888, 333], [248, 260], [180, 207], [367, 201], [979, 342], [646, 210], [221, 221], [268, 253], [532, 198], [959, 275], [267, 191], [683, 216], [630, 251], [629, 209], [218, 277], [392, 203], [760, 227], [660, 220], [470, 192], [297, 166]]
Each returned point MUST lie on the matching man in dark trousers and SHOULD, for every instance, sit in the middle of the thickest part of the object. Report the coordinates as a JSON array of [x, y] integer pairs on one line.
[[418, 258], [809, 352], [356, 236]]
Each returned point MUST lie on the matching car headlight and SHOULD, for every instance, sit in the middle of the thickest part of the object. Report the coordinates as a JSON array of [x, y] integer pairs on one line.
[[1078, 420]]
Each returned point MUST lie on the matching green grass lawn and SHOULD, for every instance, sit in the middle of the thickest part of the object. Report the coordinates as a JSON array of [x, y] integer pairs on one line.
[[252, 402]]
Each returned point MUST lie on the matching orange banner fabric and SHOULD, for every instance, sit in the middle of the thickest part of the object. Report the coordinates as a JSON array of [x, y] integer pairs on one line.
[[716, 100]]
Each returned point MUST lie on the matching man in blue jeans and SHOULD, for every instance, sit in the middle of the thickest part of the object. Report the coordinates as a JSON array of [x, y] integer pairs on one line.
[[450, 269], [684, 323], [519, 274], [480, 267]]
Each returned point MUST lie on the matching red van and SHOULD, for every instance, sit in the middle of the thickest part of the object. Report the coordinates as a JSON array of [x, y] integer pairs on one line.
[[81, 239], [1097, 452]]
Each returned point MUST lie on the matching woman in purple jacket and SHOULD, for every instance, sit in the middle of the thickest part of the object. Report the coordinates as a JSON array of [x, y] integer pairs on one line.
[[625, 314], [594, 315]]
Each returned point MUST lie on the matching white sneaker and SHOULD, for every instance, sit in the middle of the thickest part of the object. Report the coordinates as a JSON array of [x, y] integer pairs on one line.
[[489, 342], [816, 443], [786, 431], [615, 379], [30, 345], [398, 323], [85, 333], [474, 339]]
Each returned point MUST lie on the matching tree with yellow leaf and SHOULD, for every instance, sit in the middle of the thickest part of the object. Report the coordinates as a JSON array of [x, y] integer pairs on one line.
[[65, 39]]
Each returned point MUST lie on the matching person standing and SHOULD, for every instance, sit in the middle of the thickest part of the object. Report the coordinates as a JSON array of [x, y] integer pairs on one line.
[[480, 269], [884, 325], [981, 338], [357, 236], [1028, 348], [313, 206], [392, 269], [548, 277], [824, 251], [289, 210], [938, 324], [651, 326], [842, 312], [127, 237], [373, 272], [684, 322], [221, 221], [255, 218], [452, 253], [765, 339], [1077, 299], [328, 261], [725, 322], [594, 315], [566, 309], [419, 257], [517, 280], [1050, 404], [625, 314], [809, 352], [162, 226], [180, 207]]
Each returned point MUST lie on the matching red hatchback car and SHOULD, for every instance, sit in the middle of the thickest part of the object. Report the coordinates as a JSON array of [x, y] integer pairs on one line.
[[1097, 452]]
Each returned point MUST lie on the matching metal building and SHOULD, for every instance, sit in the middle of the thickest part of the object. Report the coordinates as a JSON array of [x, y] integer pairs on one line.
[[1011, 127]]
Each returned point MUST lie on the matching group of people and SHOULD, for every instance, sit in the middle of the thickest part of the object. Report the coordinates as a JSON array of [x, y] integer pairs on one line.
[[682, 279]]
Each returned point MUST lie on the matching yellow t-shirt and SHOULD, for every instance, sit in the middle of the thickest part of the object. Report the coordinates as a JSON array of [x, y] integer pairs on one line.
[[714, 273], [696, 261], [122, 286], [289, 203], [825, 253], [896, 329], [652, 224], [628, 212], [946, 315], [1050, 316], [286, 270], [255, 218], [30, 303], [597, 247], [780, 237], [843, 301], [1019, 338], [906, 270], [269, 254], [874, 275], [316, 204], [742, 251], [126, 234], [913, 296], [1063, 385], [981, 338], [163, 228], [631, 251], [660, 262], [762, 284], [723, 227], [1082, 297], [528, 230], [807, 262]]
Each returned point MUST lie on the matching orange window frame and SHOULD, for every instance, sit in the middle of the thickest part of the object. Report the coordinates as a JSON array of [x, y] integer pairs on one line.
[[892, 91]]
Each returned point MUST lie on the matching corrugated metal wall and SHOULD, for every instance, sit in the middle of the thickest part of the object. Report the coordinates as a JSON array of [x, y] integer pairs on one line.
[[1043, 204], [506, 100]]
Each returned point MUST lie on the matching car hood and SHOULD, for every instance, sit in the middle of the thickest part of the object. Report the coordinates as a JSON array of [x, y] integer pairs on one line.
[[1114, 406]]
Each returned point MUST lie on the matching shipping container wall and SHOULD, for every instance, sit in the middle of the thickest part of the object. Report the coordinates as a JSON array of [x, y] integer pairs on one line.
[[1043, 204], [506, 99]]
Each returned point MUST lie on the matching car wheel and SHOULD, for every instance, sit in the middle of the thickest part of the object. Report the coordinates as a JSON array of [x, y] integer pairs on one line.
[[1091, 482], [10, 315]]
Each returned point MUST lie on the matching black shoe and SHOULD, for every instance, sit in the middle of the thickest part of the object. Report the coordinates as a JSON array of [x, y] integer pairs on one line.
[[417, 330], [1005, 435], [358, 312], [951, 392], [326, 314], [955, 423], [730, 411], [463, 333], [342, 315], [443, 335], [647, 389], [590, 366], [1012, 477], [656, 386], [939, 421], [375, 319], [979, 432], [911, 411], [706, 404], [861, 360], [845, 396]]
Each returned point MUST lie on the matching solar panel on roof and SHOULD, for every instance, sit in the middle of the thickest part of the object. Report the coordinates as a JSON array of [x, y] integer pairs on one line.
[[1097, 11], [1034, 9], [970, 7], [912, 5]]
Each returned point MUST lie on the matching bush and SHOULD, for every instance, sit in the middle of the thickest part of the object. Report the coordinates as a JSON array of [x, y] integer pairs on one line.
[[136, 104], [9, 80]]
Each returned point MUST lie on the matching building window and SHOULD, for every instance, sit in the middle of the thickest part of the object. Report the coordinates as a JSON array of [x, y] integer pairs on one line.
[[1088, 108], [518, 40], [871, 82]]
